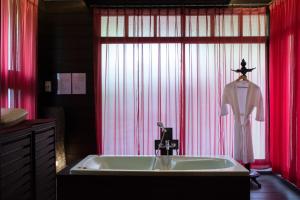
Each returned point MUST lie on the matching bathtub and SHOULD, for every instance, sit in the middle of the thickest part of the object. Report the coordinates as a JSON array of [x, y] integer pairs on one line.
[[149, 177], [161, 165]]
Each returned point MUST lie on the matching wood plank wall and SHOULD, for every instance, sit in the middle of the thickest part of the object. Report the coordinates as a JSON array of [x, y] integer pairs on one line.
[[65, 44]]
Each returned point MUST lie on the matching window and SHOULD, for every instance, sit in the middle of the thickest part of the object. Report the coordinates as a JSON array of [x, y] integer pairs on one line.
[[171, 66], [197, 26]]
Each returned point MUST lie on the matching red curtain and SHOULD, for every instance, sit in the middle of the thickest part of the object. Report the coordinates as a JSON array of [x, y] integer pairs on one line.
[[18, 54], [171, 65], [284, 88]]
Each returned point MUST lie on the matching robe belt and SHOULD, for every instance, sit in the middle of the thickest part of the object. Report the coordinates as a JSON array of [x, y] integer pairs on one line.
[[243, 146], [244, 143]]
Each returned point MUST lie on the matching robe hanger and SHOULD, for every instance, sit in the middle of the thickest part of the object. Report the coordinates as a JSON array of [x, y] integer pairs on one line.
[[242, 78], [244, 71]]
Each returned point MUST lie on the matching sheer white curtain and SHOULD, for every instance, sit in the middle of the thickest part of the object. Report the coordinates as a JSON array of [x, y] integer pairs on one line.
[[140, 86], [172, 66], [208, 70]]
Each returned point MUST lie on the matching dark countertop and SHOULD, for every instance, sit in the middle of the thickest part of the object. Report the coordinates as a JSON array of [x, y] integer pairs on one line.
[[23, 126]]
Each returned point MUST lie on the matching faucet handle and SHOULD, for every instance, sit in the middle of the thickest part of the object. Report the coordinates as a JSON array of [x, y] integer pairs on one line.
[[174, 144], [167, 144]]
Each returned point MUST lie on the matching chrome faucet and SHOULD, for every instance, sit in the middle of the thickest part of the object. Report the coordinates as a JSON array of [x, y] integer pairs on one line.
[[163, 143], [168, 145], [160, 145]]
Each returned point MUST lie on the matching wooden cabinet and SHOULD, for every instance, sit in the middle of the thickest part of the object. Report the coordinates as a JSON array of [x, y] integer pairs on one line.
[[27, 161], [44, 154], [16, 165]]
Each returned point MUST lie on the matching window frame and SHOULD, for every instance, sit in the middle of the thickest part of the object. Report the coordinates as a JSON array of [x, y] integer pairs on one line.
[[184, 40]]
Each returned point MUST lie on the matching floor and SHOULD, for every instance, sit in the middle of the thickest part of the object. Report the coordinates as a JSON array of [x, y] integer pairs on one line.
[[273, 188]]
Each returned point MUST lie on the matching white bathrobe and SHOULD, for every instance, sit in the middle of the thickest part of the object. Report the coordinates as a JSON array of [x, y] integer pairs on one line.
[[243, 96]]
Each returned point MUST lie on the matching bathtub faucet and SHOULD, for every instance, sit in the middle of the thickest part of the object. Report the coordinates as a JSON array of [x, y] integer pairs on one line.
[[161, 125], [166, 144], [169, 146]]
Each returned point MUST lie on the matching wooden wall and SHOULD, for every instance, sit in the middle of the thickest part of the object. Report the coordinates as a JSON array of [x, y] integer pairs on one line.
[[65, 44]]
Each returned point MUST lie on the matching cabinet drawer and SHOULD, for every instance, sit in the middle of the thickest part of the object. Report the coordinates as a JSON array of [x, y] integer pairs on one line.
[[15, 177], [48, 194], [27, 161], [48, 158], [42, 144], [9, 157], [26, 195], [46, 170], [43, 176], [18, 165], [47, 150], [13, 183], [43, 135], [19, 187], [15, 145]]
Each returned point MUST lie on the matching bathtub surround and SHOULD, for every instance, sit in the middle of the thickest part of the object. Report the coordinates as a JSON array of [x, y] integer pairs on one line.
[[173, 177], [97, 165]]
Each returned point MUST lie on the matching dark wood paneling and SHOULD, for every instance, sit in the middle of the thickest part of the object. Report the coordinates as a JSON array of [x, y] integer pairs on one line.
[[16, 177], [44, 154], [66, 45], [27, 161], [151, 186]]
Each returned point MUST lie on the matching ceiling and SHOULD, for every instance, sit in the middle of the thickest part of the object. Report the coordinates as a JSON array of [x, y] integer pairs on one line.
[[175, 2]]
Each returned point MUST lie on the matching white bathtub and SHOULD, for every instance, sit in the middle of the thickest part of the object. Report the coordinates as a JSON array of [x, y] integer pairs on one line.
[[149, 177], [184, 165]]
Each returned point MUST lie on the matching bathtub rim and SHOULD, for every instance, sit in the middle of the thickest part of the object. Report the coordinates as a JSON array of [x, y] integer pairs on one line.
[[236, 170]]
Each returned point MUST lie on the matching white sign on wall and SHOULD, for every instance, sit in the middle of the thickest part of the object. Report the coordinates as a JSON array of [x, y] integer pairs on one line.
[[64, 83], [78, 83]]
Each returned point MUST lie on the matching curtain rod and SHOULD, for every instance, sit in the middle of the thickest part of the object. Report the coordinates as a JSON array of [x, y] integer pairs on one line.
[[176, 6]]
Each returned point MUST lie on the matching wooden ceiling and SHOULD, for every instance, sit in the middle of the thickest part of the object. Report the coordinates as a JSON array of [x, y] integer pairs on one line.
[[176, 2]]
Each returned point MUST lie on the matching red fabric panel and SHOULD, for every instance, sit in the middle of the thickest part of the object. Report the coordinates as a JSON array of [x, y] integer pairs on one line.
[[18, 54], [284, 89], [97, 79], [4, 52]]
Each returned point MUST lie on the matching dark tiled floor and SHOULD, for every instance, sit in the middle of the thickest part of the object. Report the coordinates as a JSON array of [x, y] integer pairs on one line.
[[273, 188]]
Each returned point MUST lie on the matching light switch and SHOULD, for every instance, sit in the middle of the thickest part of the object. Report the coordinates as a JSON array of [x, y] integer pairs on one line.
[[47, 86]]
